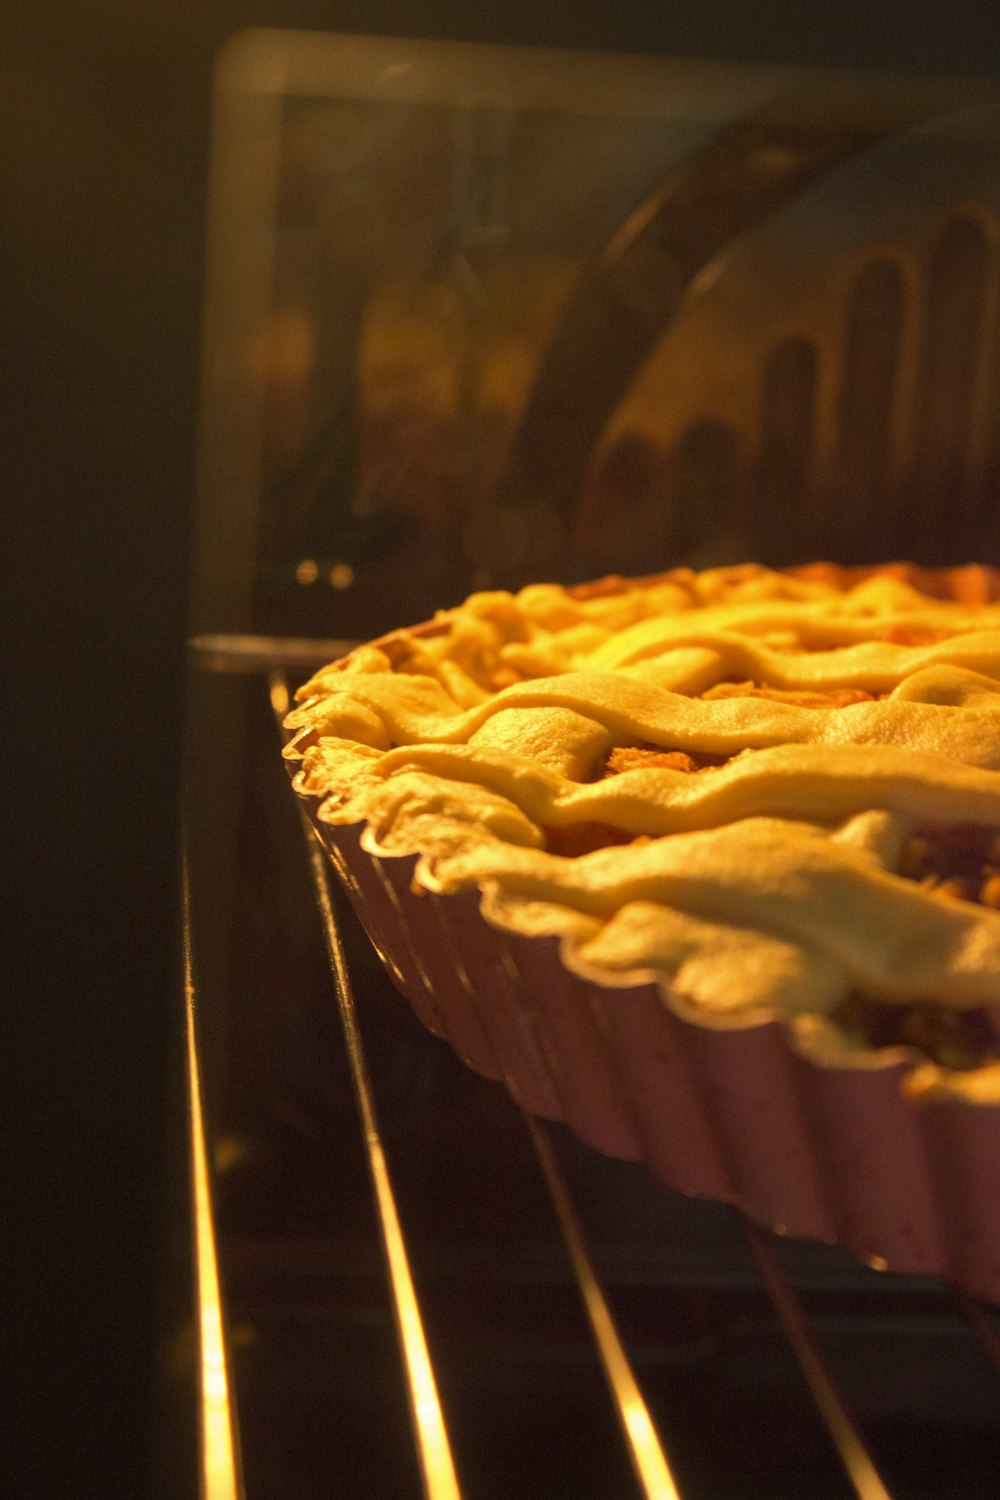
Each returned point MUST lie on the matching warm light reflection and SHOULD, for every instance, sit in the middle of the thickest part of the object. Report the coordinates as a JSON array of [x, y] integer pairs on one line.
[[281, 700], [864, 1477], [648, 1457], [434, 1451], [220, 1465]]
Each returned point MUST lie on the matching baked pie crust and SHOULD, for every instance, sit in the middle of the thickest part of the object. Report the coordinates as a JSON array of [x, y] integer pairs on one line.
[[699, 815]]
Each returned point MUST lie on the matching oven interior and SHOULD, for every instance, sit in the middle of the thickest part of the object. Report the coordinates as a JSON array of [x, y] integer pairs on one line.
[[476, 316]]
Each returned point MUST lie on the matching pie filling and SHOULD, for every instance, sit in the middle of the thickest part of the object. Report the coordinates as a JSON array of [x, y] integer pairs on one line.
[[726, 767], [959, 1040]]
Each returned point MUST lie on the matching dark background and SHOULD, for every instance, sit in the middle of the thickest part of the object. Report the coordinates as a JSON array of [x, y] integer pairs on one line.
[[104, 134]]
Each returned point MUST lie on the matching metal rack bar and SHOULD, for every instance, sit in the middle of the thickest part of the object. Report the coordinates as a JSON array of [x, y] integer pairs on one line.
[[861, 1471], [221, 1477], [648, 1458], [430, 1432], [260, 653], [220, 1468]]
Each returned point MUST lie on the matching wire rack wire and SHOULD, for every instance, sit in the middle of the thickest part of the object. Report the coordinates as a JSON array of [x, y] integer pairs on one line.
[[654, 1472]]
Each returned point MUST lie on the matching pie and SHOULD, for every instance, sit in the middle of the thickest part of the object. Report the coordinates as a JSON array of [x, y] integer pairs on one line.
[[668, 853]]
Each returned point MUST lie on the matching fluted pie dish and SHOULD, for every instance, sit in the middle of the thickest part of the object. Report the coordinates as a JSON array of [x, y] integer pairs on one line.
[[708, 866]]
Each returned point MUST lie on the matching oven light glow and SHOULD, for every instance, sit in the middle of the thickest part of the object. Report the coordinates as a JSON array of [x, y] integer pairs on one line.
[[281, 700]]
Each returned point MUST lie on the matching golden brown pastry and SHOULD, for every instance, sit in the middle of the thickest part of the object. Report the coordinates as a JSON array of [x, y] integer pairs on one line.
[[774, 792]]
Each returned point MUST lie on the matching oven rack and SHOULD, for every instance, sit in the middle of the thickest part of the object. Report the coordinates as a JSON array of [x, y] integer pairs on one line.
[[653, 1471]]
